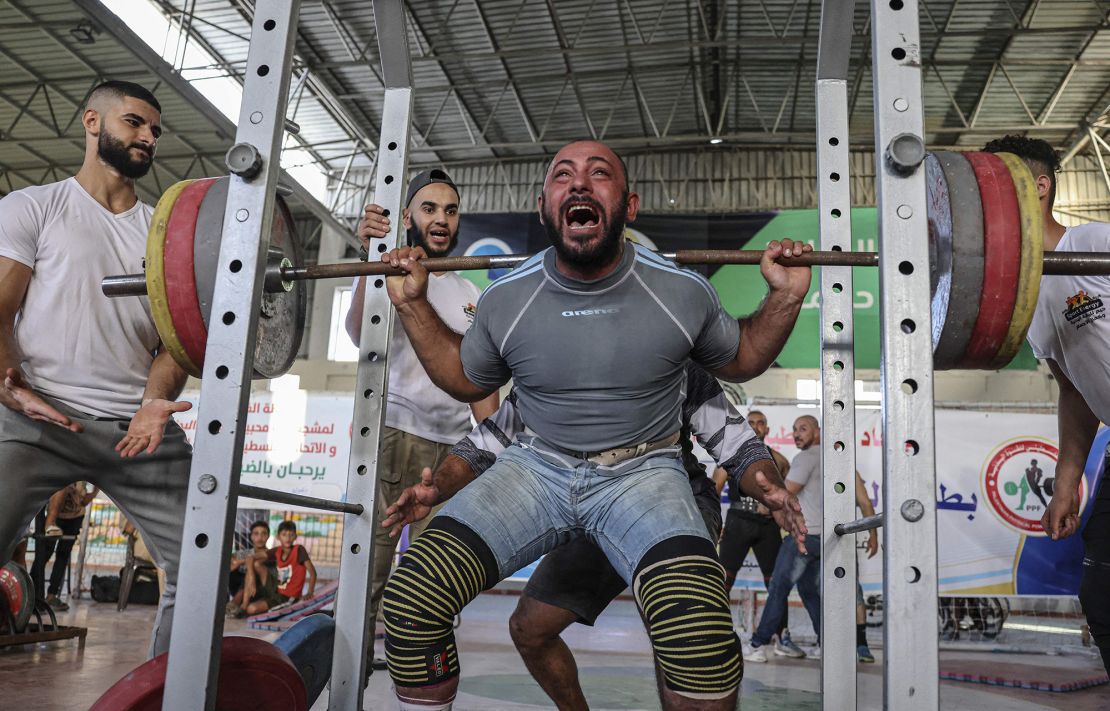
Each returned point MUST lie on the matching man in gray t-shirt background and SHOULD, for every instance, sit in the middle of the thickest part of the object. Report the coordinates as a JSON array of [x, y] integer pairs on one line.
[[795, 567], [595, 333]]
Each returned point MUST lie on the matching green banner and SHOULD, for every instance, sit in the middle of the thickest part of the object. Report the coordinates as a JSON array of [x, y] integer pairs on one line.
[[741, 293]]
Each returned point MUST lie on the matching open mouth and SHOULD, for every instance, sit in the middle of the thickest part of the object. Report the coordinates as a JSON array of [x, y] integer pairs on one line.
[[439, 235], [581, 216]]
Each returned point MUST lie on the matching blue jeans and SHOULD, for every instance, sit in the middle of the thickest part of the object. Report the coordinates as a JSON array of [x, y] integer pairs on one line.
[[792, 568], [529, 502]]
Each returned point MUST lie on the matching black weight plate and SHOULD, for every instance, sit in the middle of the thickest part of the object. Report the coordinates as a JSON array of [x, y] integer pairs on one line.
[[966, 250], [282, 315], [939, 212]]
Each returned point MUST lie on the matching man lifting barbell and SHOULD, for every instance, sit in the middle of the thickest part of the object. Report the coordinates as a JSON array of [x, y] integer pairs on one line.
[[602, 462], [1071, 334], [575, 582], [84, 375]]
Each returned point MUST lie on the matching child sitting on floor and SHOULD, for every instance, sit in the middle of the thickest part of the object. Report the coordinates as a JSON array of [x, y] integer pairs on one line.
[[291, 565]]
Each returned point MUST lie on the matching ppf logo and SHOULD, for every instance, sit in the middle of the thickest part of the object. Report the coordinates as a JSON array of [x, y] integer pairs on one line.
[[1019, 480], [589, 312]]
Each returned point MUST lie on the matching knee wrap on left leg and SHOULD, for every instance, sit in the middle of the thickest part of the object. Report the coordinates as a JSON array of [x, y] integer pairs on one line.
[[683, 601], [440, 573]]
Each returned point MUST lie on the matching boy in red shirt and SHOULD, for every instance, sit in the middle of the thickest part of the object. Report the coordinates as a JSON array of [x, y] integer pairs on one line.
[[292, 565]]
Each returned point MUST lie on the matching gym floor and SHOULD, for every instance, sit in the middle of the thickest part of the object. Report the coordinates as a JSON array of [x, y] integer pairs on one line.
[[613, 659]]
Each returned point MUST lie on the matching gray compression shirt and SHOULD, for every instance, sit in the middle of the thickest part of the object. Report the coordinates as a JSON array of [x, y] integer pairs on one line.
[[598, 364]]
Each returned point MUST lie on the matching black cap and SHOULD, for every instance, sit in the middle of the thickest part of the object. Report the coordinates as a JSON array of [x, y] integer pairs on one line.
[[426, 178]]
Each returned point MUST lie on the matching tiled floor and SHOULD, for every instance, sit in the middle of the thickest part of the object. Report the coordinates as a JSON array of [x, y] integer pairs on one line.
[[613, 660]]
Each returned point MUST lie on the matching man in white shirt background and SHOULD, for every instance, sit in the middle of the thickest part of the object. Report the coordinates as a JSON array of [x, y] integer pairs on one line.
[[1071, 334], [421, 421]]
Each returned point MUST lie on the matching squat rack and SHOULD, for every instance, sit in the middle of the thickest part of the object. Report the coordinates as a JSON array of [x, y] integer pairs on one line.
[[214, 487], [909, 583]]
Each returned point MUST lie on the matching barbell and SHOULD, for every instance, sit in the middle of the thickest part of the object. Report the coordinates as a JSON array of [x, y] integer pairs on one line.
[[986, 259]]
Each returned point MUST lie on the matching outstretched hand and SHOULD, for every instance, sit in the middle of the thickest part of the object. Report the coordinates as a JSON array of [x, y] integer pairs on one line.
[[414, 504], [18, 396], [785, 509], [778, 271], [148, 426]]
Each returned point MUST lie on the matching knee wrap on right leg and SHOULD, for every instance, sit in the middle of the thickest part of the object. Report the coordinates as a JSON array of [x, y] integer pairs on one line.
[[439, 574], [684, 604]]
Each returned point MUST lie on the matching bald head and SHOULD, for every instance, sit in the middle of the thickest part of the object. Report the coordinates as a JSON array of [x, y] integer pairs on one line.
[[807, 432], [595, 150]]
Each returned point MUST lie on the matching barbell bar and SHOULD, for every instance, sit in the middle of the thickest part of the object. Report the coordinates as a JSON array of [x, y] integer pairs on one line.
[[986, 259], [1055, 263]]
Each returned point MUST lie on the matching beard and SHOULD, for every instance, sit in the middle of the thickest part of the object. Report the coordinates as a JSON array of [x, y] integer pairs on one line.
[[117, 154], [418, 239], [604, 251]]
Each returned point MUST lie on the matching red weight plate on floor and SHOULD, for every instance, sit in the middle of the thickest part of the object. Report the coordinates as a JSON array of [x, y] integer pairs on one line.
[[1001, 258], [254, 676], [181, 283]]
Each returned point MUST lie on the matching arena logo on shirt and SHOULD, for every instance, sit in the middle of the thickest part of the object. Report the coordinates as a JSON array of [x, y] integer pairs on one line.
[[589, 312], [1084, 309], [1018, 482]]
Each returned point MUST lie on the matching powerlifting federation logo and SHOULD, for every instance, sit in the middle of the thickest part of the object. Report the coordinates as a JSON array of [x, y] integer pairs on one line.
[[1084, 309], [1018, 482]]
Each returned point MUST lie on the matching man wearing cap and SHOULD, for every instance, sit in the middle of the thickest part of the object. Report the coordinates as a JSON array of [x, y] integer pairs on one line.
[[421, 421]]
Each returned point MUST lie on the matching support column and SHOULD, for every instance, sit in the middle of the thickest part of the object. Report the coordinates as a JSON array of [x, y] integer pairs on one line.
[[194, 656], [838, 402], [909, 476]]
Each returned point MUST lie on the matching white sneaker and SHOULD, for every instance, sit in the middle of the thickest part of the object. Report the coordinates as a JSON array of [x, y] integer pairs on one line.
[[755, 655], [813, 652]]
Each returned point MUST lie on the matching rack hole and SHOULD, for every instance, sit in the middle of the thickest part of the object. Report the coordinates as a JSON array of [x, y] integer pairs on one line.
[[909, 386], [381, 247], [214, 427], [229, 318], [913, 574], [222, 371], [837, 288], [372, 356], [392, 145], [367, 393], [834, 141], [235, 266], [834, 212], [263, 70], [355, 548], [269, 25], [838, 326], [838, 446], [838, 487], [838, 405], [835, 177], [837, 248], [385, 212], [908, 325], [839, 572], [896, 5], [898, 53], [906, 268], [838, 365], [388, 179], [364, 431], [375, 319], [379, 283], [201, 540], [912, 447]]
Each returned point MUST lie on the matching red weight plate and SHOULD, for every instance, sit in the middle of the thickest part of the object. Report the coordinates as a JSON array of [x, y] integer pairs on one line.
[[19, 594], [254, 676], [181, 283], [1001, 258]]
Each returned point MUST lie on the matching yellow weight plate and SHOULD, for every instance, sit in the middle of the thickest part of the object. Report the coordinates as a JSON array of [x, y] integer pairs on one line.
[[1032, 258], [156, 278]]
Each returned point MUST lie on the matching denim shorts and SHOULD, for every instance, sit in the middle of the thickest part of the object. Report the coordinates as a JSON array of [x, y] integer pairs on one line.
[[528, 503]]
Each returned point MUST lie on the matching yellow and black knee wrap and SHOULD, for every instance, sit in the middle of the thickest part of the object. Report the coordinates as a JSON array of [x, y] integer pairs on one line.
[[680, 589], [443, 570]]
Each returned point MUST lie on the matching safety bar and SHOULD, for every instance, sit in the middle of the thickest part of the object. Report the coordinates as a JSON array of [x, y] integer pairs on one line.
[[867, 523], [312, 502]]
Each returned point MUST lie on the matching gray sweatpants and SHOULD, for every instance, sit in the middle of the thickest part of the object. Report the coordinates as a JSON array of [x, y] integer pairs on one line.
[[37, 459]]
